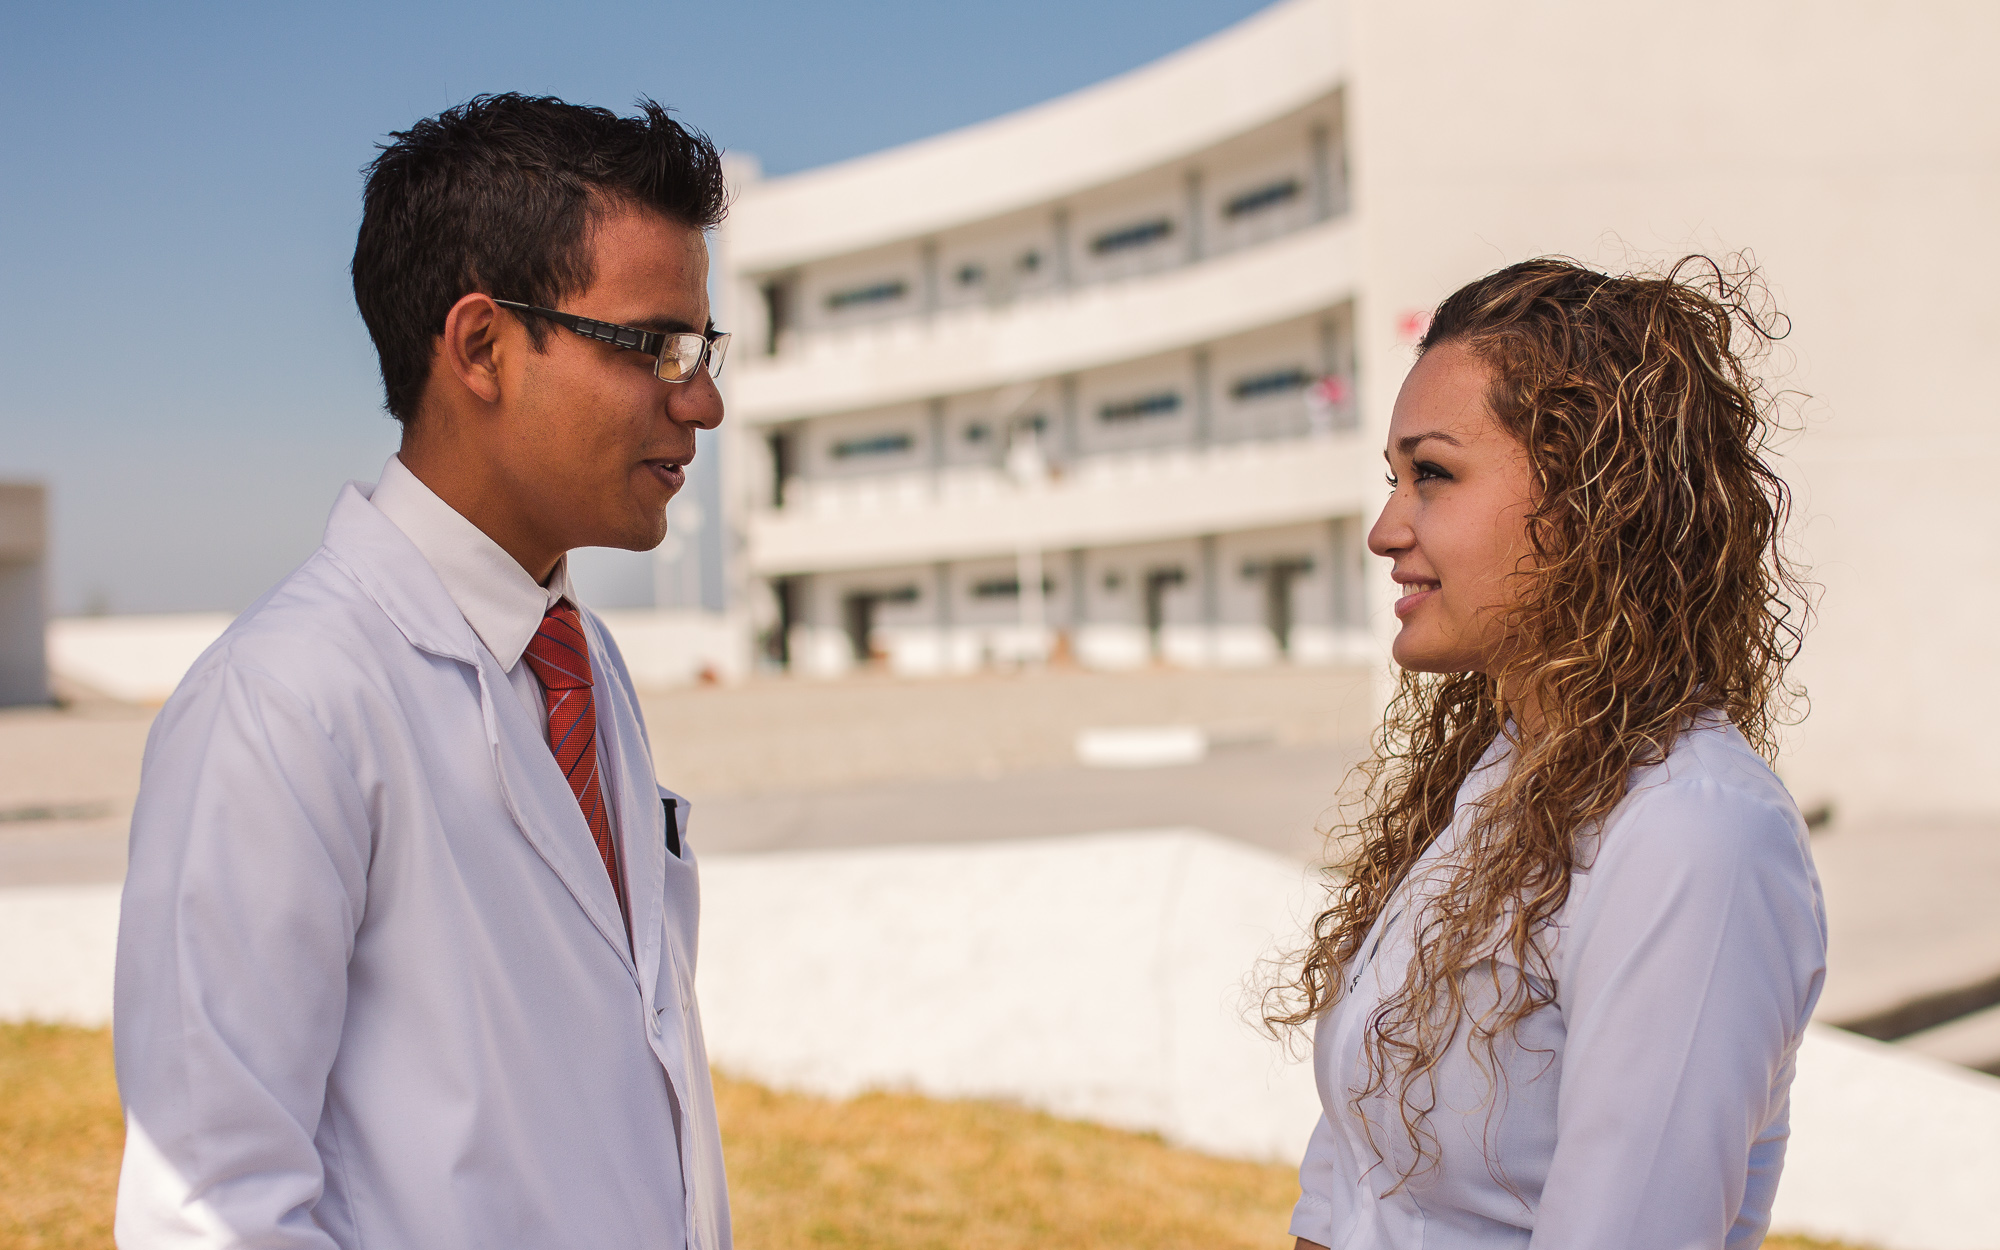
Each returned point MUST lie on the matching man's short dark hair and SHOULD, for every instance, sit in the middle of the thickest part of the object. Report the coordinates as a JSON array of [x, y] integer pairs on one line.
[[497, 196]]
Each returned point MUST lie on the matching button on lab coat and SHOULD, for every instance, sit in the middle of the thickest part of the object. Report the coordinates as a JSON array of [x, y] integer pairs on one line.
[[1646, 1107], [374, 988]]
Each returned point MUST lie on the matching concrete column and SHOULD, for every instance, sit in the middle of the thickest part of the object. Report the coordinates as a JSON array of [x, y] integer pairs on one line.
[[1204, 399], [941, 591], [1070, 439], [1211, 595], [1344, 572], [1064, 273], [24, 613], [1336, 352], [931, 289], [1079, 607], [1034, 604], [1196, 223], [937, 437], [1322, 173]]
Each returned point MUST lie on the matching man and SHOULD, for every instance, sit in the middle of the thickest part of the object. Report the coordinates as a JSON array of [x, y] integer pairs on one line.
[[407, 955]]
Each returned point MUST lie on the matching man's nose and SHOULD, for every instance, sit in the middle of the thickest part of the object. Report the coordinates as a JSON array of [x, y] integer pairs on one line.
[[696, 402]]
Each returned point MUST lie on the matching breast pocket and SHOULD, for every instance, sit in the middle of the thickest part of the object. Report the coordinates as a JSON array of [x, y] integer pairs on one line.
[[671, 809]]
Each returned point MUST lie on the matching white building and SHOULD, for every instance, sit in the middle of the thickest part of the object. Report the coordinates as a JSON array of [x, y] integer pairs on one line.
[[1076, 381], [1112, 373]]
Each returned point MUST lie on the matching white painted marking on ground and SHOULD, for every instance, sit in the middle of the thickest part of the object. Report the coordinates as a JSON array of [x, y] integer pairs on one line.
[[1151, 746]]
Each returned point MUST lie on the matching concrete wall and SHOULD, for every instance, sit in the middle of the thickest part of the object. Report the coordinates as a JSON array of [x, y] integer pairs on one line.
[[140, 659], [1855, 148], [24, 511], [1107, 977]]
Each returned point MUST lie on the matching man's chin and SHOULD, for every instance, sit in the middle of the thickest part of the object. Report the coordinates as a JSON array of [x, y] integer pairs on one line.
[[641, 534]]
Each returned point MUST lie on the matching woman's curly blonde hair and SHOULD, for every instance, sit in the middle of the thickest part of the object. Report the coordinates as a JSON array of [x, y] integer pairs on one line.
[[1657, 591]]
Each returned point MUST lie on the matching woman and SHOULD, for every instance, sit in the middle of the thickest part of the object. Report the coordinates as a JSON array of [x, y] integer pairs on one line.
[[1569, 956]]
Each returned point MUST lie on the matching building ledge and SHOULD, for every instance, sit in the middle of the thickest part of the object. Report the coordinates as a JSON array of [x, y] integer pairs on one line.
[[970, 349], [1102, 501]]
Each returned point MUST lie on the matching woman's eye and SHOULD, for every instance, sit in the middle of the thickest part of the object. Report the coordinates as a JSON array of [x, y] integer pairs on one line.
[[1390, 478], [1426, 471]]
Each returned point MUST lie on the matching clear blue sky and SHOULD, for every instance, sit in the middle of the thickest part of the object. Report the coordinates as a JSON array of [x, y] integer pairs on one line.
[[182, 359]]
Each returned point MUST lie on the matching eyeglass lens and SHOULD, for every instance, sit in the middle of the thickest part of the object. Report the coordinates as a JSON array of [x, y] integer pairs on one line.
[[681, 355]]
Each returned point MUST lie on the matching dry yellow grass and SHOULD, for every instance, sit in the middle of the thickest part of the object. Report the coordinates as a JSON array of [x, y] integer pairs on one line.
[[60, 1134], [882, 1172]]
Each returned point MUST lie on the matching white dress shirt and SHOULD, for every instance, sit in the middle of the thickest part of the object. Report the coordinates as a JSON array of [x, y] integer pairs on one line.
[[1646, 1107], [500, 601]]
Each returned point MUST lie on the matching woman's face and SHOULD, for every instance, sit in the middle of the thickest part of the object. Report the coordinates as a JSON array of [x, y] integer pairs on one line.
[[1455, 523]]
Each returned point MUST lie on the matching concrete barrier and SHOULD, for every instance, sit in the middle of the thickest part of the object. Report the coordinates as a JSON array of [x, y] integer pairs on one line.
[[140, 659], [1103, 977], [57, 947]]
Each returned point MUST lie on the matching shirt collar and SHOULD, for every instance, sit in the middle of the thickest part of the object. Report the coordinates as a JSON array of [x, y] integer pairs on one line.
[[500, 601]]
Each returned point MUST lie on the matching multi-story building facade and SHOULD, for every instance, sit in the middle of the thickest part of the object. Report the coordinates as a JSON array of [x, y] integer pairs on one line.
[[1076, 383], [1112, 375]]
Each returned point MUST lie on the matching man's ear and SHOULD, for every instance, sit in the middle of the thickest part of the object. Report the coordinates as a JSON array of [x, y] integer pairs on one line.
[[471, 346]]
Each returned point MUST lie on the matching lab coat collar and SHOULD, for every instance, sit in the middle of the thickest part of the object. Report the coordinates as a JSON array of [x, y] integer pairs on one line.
[[394, 573], [502, 603]]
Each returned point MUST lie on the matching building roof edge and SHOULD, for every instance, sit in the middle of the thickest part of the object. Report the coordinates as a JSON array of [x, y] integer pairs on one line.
[[1260, 69]]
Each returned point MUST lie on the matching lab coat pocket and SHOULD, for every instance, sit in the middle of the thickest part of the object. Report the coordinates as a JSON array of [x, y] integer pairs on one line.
[[674, 813]]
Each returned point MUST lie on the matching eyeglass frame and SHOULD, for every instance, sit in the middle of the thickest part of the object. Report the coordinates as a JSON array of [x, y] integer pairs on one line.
[[714, 343]]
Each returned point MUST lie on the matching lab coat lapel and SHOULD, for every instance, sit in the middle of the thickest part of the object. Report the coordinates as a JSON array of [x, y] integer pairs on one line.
[[546, 809], [390, 569], [641, 828]]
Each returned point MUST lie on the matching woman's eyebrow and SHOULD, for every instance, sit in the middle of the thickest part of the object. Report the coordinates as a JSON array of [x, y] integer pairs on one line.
[[1409, 444]]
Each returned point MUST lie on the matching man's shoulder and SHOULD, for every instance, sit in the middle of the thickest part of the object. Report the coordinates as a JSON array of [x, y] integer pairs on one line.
[[316, 628]]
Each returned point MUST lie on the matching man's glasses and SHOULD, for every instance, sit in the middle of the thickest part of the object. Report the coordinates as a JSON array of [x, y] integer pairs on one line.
[[675, 356]]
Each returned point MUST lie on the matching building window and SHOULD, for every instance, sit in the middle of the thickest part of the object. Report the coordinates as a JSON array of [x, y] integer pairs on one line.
[[1030, 261], [1156, 405], [1007, 588], [1268, 196], [1276, 382], [971, 275], [877, 293], [1128, 237], [977, 433], [873, 445]]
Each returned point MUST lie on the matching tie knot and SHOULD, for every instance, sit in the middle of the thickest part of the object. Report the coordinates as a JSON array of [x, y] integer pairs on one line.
[[558, 653]]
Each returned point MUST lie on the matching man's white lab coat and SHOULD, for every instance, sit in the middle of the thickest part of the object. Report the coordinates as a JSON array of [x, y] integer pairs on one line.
[[374, 988]]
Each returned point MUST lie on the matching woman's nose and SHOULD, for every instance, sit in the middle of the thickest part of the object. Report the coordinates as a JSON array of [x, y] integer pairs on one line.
[[1391, 531]]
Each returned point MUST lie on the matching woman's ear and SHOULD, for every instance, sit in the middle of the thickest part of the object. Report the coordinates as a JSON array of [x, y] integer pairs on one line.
[[471, 345]]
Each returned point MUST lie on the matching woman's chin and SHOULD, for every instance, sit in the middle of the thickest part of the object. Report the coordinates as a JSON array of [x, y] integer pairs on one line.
[[1422, 655]]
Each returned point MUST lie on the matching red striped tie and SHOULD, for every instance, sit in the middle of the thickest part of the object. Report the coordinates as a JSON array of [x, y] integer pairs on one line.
[[560, 657]]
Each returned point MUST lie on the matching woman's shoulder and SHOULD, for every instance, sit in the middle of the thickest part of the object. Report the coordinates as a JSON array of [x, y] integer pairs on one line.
[[1714, 799]]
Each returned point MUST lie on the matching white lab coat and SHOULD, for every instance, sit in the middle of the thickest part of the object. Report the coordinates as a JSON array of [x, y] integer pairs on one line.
[[1646, 1107], [374, 988]]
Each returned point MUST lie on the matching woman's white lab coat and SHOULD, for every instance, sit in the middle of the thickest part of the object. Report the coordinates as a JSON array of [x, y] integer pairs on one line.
[[1646, 1107], [374, 988]]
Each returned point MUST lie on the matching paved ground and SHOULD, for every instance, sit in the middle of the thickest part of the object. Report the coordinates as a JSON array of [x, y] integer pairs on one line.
[[1270, 796], [792, 765]]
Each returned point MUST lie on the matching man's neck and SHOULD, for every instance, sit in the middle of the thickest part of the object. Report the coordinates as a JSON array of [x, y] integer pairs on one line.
[[463, 482]]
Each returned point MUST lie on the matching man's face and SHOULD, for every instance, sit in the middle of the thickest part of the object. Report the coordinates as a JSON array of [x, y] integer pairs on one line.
[[594, 444]]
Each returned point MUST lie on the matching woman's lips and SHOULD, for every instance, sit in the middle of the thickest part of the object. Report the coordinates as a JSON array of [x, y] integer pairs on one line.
[[1417, 593]]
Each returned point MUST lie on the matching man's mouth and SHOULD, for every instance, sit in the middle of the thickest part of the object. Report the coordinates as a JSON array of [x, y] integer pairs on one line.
[[669, 473]]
